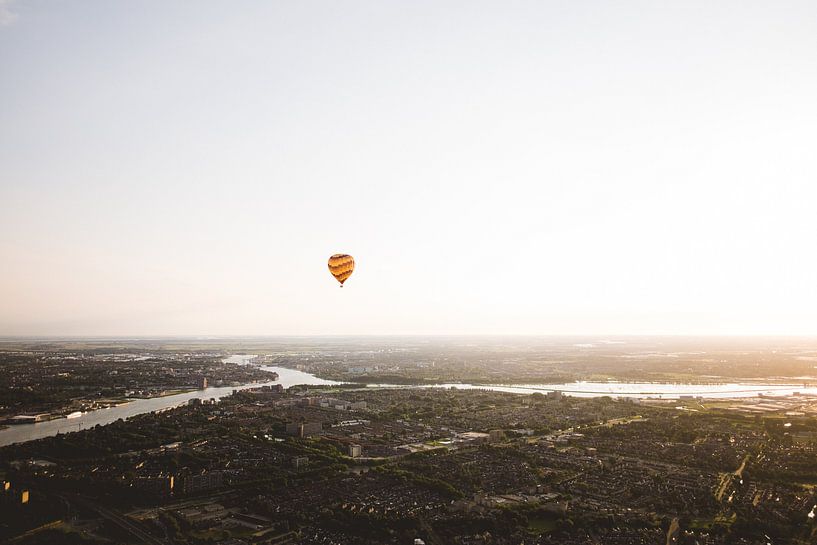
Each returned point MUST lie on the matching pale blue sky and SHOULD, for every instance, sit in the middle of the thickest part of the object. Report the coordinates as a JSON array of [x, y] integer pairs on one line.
[[494, 167]]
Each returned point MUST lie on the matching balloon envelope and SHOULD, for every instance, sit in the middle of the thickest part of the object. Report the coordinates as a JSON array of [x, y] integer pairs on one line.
[[341, 267]]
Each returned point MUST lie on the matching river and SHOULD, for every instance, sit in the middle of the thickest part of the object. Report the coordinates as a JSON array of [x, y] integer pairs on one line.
[[20, 433], [290, 377], [643, 390]]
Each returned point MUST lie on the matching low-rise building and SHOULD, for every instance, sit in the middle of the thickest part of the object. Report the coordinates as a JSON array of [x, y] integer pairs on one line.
[[300, 462], [190, 484], [303, 429]]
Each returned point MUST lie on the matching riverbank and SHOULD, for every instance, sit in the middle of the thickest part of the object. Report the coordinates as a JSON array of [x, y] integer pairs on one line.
[[660, 380], [292, 377], [714, 388], [133, 407]]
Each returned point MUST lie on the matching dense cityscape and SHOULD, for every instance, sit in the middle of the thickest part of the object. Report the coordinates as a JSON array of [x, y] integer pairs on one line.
[[408, 273], [338, 462]]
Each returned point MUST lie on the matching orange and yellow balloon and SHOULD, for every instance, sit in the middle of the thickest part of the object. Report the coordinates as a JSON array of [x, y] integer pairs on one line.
[[341, 267]]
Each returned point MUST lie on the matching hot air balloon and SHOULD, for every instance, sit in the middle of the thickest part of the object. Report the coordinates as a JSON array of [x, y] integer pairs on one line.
[[341, 267]]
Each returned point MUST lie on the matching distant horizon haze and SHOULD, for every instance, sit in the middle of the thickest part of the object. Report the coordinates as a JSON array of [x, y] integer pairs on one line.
[[612, 338], [523, 168]]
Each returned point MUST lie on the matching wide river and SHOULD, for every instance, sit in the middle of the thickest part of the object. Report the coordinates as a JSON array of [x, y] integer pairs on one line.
[[291, 377], [20, 433]]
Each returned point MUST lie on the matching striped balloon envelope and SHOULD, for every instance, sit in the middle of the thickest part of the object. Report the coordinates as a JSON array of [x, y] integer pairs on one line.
[[341, 267]]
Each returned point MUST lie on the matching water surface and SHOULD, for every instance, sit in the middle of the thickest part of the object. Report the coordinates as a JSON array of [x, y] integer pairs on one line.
[[292, 377], [19, 433]]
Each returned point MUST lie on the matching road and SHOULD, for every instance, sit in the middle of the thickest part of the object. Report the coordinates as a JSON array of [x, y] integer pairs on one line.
[[132, 527]]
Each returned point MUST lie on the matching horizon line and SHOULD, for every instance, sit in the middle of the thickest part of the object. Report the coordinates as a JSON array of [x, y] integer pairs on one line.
[[204, 337]]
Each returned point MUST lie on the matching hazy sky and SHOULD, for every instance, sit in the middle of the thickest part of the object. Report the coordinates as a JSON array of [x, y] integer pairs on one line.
[[493, 167]]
